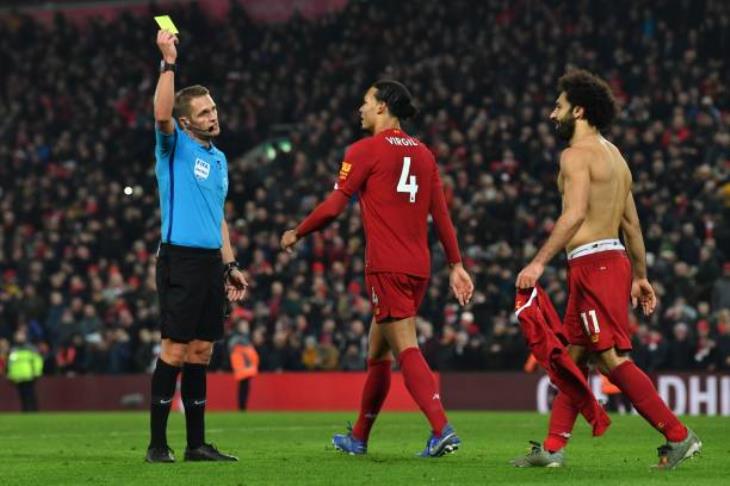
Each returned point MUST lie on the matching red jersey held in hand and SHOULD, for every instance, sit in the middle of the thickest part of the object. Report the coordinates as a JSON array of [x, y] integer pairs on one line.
[[399, 185], [542, 330]]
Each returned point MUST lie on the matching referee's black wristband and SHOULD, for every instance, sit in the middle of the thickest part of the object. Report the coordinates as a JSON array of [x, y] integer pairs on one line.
[[229, 267]]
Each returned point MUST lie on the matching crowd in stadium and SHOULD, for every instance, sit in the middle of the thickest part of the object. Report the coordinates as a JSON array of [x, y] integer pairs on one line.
[[79, 222]]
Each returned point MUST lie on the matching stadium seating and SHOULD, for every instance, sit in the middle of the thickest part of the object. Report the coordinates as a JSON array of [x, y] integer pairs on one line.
[[79, 221]]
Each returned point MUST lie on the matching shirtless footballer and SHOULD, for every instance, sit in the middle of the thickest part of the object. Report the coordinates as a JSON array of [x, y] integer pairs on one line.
[[603, 275]]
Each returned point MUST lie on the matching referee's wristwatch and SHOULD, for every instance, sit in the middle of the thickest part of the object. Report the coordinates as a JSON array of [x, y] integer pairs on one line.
[[166, 66], [228, 269]]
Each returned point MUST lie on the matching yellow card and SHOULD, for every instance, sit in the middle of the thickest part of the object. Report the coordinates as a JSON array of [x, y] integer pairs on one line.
[[165, 23]]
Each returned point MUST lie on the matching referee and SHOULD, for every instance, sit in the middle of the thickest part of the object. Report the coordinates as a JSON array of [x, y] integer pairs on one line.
[[196, 269]]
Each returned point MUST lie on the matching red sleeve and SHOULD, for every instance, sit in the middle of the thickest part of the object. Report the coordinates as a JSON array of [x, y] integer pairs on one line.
[[354, 172], [327, 210], [442, 220], [356, 168]]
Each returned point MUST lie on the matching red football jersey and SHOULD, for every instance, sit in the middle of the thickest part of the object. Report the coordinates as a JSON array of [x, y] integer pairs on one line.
[[399, 186]]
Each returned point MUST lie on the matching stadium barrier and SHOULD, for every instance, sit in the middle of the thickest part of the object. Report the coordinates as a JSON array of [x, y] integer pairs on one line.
[[686, 393], [269, 391]]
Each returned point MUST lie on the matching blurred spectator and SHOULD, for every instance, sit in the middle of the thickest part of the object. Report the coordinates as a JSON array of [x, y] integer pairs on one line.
[[71, 357], [310, 354], [705, 352], [723, 340], [4, 352], [650, 349], [427, 342], [147, 351], [681, 348], [25, 365], [721, 289], [352, 359], [244, 361]]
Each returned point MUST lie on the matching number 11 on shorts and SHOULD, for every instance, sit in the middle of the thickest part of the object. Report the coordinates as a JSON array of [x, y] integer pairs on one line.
[[406, 183], [584, 317]]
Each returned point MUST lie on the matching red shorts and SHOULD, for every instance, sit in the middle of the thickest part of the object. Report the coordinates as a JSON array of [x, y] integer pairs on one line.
[[395, 295], [597, 313]]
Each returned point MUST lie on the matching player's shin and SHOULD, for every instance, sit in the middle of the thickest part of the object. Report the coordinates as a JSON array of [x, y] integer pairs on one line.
[[374, 393], [562, 420], [422, 387], [640, 390]]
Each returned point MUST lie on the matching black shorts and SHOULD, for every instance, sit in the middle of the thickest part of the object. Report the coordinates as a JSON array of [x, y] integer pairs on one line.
[[191, 292]]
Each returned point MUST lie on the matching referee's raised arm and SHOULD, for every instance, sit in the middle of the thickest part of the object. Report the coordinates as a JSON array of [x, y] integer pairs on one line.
[[165, 91]]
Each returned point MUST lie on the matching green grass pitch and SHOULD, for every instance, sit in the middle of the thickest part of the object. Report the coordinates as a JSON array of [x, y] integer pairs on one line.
[[294, 448]]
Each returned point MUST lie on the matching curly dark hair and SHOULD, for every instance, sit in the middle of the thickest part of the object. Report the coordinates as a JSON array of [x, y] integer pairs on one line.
[[590, 92]]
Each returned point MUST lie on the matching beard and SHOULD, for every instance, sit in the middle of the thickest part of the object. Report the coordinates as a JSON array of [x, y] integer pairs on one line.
[[565, 127]]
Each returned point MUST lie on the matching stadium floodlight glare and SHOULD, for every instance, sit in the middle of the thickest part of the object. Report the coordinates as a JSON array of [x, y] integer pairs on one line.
[[285, 146], [269, 149], [128, 190], [271, 152]]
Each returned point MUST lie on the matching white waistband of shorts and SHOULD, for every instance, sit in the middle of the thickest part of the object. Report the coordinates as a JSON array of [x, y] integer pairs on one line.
[[596, 247]]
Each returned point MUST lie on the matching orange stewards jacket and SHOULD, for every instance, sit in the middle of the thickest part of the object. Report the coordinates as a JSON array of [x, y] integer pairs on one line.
[[244, 361]]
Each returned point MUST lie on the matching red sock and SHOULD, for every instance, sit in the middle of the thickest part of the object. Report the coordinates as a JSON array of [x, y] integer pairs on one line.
[[640, 390], [422, 387], [376, 389], [562, 420]]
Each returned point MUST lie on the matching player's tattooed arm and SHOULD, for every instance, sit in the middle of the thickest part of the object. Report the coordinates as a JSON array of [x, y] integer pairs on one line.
[[576, 187]]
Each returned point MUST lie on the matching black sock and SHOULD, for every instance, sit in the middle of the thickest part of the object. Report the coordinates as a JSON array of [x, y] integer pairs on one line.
[[164, 380], [193, 392]]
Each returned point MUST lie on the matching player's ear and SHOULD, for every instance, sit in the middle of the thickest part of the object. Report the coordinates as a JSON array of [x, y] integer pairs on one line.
[[578, 112], [184, 121], [382, 107]]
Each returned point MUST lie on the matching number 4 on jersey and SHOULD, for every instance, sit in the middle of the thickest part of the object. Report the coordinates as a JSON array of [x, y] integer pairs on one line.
[[407, 184]]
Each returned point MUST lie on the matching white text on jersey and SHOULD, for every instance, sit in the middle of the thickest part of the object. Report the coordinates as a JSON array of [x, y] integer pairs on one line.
[[403, 142]]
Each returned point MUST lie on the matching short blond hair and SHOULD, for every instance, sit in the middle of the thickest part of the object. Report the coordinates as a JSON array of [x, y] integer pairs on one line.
[[184, 96]]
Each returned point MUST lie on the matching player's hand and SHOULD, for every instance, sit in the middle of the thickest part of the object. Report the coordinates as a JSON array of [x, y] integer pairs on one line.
[[167, 41], [236, 286], [643, 293], [461, 284], [288, 240], [529, 275]]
